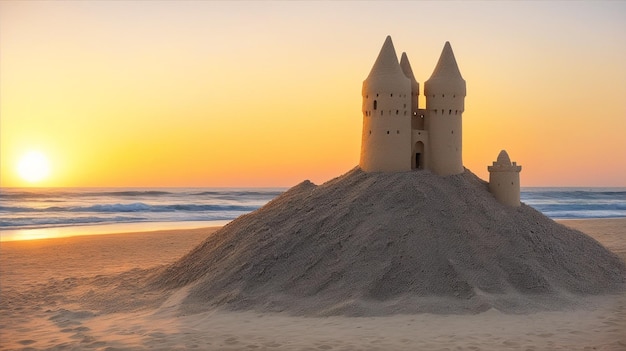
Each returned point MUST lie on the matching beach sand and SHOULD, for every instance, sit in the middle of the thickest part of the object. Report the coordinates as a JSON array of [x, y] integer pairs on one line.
[[87, 292]]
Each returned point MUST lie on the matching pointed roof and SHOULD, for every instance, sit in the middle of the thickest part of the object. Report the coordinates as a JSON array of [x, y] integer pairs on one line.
[[446, 66], [387, 61], [408, 71], [504, 164], [503, 158]]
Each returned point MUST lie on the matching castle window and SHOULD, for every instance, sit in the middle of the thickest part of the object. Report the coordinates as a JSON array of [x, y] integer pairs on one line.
[[375, 105], [370, 132], [405, 113], [381, 112], [452, 132], [450, 112], [376, 95], [453, 96], [397, 112], [387, 132], [456, 112], [391, 94], [443, 95], [398, 132]]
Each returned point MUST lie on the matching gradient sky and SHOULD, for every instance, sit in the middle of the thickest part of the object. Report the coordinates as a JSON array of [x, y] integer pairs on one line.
[[160, 93]]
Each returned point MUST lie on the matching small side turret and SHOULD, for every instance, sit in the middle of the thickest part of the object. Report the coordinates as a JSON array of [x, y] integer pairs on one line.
[[504, 181]]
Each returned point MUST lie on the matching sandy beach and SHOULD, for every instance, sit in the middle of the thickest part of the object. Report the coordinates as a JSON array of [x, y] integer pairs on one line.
[[87, 292]]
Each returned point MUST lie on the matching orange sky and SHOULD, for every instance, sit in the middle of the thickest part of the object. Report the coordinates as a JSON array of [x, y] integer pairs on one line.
[[268, 93]]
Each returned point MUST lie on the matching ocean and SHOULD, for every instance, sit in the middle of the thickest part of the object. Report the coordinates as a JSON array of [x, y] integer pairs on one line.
[[31, 210]]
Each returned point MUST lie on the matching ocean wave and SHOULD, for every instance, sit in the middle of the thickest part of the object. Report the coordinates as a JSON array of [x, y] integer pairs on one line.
[[132, 207], [52, 193], [127, 193], [238, 194], [580, 195]]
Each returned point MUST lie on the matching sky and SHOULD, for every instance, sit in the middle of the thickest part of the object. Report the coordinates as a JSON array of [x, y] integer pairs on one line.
[[251, 94]]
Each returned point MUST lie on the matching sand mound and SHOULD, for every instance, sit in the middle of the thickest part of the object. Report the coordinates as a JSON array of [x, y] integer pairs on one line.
[[377, 243]]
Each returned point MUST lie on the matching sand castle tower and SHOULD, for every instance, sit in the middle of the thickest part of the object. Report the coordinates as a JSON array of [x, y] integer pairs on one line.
[[504, 181], [386, 136], [445, 102], [398, 135]]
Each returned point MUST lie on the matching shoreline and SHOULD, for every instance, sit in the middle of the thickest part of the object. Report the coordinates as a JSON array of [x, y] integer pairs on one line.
[[26, 234], [11, 235]]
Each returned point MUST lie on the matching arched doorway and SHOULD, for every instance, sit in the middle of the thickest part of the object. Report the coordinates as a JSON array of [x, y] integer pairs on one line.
[[418, 156]]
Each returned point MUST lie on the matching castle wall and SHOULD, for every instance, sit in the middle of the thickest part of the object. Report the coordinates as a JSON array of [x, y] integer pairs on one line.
[[418, 119]]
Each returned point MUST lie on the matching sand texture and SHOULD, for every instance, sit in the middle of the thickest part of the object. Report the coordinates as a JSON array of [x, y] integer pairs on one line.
[[374, 244], [52, 291]]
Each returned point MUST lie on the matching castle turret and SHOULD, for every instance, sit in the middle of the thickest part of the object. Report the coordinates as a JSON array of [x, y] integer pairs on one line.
[[415, 86], [504, 181], [386, 137], [445, 103]]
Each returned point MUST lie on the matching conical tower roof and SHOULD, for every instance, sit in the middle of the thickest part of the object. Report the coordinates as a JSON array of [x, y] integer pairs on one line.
[[447, 66], [408, 72], [503, 164], [446, 77], [503, 158], [387, 61], [386, 74]]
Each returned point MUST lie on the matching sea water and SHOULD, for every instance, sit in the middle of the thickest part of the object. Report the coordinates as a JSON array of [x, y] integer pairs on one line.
[[32, 212], [577, 203]]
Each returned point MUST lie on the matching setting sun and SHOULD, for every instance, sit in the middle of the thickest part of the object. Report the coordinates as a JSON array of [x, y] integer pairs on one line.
[[33, 167]]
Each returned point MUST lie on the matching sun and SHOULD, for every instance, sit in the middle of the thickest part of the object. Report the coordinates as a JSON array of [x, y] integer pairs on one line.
[[33, 167]]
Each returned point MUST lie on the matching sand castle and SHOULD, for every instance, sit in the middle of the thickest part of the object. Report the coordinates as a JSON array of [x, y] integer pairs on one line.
[[386, 238], [399, 136]]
